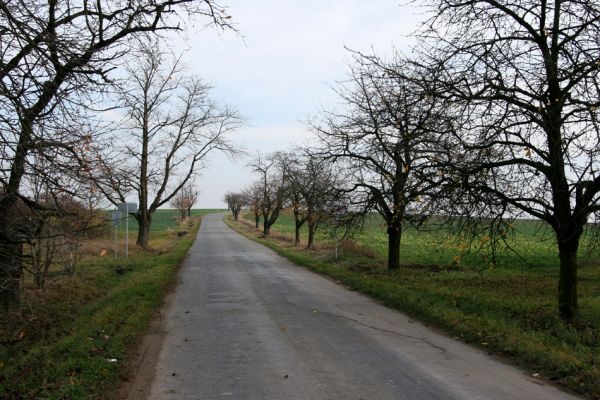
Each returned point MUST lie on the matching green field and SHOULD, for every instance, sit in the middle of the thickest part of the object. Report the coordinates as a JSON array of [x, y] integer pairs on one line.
[[532, 245], [509, 308], [72, 339], [162, 220]]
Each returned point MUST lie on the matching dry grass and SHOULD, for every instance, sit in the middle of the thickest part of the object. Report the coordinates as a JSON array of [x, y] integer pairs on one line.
[[56, 345], [355, 248]]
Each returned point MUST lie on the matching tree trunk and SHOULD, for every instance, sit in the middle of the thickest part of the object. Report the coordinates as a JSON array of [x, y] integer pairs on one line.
[[11, 258], [143, 216], [312, 229], [267, 226], [189, 213], [256, 220], [182, 211], [236, 214], [144, 219], [268, 221], [297, 235], [11, 248], [297, 225], [567, 284], [394, 239]]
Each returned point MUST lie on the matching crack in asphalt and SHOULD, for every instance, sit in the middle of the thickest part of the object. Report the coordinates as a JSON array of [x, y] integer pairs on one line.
[[404, 335]]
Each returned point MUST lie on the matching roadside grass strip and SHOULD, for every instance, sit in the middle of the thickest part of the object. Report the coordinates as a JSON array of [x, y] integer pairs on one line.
[[80, 330]]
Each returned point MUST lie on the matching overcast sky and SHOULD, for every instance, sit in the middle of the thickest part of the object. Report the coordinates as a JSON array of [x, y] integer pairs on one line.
[[279, 72]]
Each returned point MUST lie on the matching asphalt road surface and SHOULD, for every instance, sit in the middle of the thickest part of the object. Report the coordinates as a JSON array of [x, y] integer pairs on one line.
[[245, 323]]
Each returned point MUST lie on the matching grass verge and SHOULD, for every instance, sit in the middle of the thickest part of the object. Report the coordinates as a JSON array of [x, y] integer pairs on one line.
[[76, 334], [505, 311]]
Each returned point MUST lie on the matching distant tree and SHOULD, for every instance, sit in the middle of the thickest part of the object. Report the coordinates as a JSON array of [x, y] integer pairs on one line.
[[253, 199], [172, 127], [321, 184], [387, 137], [235, 202], [524, 77], [184, 200], [192, 196], [293, 190], [53, 57], [312, 188], [272, 188]]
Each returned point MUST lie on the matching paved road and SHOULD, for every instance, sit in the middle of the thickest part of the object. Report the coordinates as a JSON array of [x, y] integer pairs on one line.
[[247, 324]]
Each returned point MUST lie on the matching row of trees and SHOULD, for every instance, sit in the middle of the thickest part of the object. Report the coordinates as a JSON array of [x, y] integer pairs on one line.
[[298, 180], [494, 117], [60, 62]]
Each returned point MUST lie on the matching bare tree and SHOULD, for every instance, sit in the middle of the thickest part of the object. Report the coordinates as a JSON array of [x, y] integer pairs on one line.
[[184, 200], [52, 55], [253, 199], [312, 188], [321, 190], [172, 127], [388, 138], [192, 198], [235, 202], [271, 185], [526, 77], [293, 184]]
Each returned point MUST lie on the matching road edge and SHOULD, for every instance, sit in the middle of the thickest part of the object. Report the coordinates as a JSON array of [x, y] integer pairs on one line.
[[246, 229], [142, 360]]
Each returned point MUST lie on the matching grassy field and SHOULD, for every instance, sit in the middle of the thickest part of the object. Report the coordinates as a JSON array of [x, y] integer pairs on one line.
[[163, 220], [71, 339], [509, 308], [533, 246]]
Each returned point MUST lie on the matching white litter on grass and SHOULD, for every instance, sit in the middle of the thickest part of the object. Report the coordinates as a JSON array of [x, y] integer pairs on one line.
[[111, 360]]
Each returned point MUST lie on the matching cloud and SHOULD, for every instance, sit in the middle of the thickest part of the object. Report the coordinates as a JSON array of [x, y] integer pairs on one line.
[[282, 70]]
